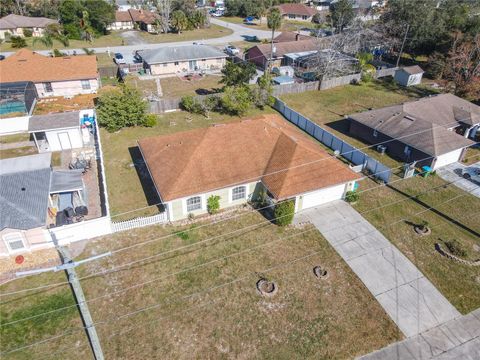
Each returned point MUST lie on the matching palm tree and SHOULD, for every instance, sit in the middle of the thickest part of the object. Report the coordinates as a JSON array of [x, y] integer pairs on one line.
[[46, 39], [274, 22], [179, 20]]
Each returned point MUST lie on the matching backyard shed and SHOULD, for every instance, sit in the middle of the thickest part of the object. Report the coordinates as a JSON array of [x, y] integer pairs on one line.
[[409, 76], [56, 132]]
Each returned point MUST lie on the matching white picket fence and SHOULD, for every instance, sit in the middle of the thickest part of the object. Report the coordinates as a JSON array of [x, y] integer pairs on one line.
[[139, 222]]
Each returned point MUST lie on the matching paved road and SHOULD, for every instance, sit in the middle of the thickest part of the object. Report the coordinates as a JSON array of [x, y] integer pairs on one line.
[[409, 298], [239, 33], [453, 172], [456, 339]]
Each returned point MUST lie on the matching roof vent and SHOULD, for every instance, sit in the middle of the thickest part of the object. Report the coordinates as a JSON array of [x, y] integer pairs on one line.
[[411, 118], [168, 145]]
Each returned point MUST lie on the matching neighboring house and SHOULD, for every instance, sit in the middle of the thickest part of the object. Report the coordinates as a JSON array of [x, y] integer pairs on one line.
[[433, 131], [171, 61], [237, 161], [62, 131], [52, 76], [144, 20], [15, 25], [299, 12], [261, 54], [286, 36], [30, 194], [123, 21], [409, 76], [134, 18]]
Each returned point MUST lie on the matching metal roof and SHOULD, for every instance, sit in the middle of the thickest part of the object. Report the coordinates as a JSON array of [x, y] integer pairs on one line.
[[54, 121], [66, 181], [24, 191], [180, 53]]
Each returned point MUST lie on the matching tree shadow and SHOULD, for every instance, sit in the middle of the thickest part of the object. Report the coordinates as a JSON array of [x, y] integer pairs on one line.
[[342, 126], [211, 91], [148, 186]]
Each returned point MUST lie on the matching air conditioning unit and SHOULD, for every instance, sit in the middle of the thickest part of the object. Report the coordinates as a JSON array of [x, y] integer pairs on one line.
[[381, 149]]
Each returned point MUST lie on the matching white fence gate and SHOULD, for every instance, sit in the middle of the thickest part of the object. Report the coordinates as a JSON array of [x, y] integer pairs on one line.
[[139, 222]]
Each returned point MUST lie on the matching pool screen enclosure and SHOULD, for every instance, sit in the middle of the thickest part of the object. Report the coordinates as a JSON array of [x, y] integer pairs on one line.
[[17, 98]]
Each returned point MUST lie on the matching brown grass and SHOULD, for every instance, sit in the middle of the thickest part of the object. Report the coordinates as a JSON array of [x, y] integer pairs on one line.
[[60, 104], [335, 318], [178, 87]]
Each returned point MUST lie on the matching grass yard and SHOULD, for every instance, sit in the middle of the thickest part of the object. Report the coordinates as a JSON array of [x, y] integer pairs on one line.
[[214, 31], [147, 87], [328, 108], [214, 311], [8, 139], [178, 87], [459, 283], [112, 39], [287, 25], [103, 59], [125, 190], [472, 155], [21, 151]]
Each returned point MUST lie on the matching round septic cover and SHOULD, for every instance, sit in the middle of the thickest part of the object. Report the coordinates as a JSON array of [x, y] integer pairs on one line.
[[19, 259]]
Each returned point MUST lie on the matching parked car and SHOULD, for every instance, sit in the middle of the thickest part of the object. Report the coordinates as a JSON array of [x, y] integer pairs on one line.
[[119, 59], [471, 173], [231, 50], [2, 57]]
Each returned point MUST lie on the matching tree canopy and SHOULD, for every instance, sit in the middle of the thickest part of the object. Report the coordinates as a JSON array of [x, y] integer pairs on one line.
[[238, 74], [341, 14]]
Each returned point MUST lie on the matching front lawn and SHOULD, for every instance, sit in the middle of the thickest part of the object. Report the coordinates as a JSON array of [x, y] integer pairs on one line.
[[120, 153], [202, 301], [214, 31], [458, 282], [112, 39], [329, 107]]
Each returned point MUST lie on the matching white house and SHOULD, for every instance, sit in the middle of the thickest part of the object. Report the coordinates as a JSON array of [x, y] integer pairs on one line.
[[171, 61], [409, 76], [17, 25], [238, 161]]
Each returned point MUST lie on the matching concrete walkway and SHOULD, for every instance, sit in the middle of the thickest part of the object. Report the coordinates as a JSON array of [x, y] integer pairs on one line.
[[453, 172], [456, 339], [409, 298]]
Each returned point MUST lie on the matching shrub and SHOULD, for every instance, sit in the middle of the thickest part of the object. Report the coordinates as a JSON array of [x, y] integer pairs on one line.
[[27, 33], [236, 100], [58, 53], [150, 120], [352, 196], [213, 204], [424, 224], [18, 42], [456, 248], [187, 103], [284, 212]]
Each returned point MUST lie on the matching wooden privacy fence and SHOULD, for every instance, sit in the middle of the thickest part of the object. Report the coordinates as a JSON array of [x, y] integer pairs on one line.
[[295, 88], [163, 105], [339, 81], [139, 222], [346, 150]]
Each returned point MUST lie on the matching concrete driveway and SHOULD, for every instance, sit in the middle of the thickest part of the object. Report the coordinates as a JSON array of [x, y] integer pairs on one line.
[[453, 172], [407, 296], [132, 38]]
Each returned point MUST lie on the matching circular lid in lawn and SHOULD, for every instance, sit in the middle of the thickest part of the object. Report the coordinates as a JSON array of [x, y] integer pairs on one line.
[[320, 272], [266, 288]]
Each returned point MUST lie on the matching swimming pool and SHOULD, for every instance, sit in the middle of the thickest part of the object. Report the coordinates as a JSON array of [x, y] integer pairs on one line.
[[12, 106]]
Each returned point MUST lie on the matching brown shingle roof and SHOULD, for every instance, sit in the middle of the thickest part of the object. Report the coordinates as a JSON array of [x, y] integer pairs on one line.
[[26, 65], [283, 48], [423, 124], [297, 9], [269, 149], [144, 16], [122, 16], [13, 21], [286, 36]]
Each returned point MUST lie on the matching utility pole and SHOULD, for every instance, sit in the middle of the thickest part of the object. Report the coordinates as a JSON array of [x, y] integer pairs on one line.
[[403, 44], [68, 265]]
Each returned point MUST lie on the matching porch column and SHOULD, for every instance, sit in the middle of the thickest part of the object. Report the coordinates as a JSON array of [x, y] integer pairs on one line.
[[36, 143]]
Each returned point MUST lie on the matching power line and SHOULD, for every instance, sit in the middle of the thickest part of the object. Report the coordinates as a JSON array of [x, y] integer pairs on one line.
[[221, 258], [211, 238]]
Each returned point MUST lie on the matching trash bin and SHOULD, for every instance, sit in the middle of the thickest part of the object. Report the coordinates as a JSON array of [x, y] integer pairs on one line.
[[426, 170]]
